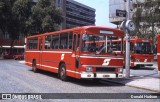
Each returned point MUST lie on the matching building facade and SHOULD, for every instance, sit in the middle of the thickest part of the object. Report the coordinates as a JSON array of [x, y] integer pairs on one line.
[[75, 14], [134, 6], [119, 5]]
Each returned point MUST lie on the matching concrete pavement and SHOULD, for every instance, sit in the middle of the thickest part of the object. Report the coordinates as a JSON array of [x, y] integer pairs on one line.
[[148, 81]]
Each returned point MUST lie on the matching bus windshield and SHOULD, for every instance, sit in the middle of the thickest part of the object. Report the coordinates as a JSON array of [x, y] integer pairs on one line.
[[97, 43], [143, 48]]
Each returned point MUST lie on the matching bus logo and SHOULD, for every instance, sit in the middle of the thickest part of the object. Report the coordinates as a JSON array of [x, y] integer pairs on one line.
[[62, 57], [106, 62]]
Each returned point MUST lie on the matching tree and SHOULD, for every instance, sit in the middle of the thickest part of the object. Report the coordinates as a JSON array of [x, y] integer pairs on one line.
[[22, 10], [23, 17], [45, 17], [147, 19], [8, 20]]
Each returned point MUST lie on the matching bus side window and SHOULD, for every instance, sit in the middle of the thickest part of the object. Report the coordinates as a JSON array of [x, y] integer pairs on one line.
[[48, 42], [78, 43], [40, 44], [32, 43], [70, 40], [55, 41], [74, 43], [63, 40]]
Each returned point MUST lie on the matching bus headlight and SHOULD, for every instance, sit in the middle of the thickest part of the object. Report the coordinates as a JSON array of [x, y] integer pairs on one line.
[[120, 70], [88, 69]]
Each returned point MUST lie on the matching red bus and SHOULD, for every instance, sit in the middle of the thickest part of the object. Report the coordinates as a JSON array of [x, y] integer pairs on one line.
[[158, 52], [141, 51], [74, 53]]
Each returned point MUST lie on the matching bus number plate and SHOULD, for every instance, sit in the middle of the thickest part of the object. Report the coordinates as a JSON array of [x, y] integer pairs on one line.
[[106, 76]]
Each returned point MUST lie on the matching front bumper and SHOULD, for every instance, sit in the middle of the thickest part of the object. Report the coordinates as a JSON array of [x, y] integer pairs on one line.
[[143, 63], [101, 75]]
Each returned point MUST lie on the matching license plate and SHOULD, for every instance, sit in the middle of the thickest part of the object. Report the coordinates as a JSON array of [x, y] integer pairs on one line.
[[105, 76]]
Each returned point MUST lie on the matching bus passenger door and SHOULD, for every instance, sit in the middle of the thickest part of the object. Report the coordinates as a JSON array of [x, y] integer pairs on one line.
[[76, 51]]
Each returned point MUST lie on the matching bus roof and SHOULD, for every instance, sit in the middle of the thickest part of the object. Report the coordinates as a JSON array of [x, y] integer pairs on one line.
[[85, 29]]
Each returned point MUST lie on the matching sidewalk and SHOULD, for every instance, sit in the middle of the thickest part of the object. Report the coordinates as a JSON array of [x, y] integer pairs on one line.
[[148, 83]]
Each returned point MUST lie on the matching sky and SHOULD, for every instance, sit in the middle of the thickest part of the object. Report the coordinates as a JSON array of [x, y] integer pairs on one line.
[[102, 11]]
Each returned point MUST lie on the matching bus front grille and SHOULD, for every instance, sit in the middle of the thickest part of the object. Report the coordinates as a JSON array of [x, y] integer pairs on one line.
[[104, 69]]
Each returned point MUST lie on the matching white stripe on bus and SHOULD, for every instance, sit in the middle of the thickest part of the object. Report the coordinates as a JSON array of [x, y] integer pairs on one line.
[[49, 66], [55, 68], [158, 53], [50, 51], [101, 57], [73, 71]]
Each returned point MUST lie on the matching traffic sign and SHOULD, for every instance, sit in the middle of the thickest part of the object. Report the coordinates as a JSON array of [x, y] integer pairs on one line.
[[121, 13]]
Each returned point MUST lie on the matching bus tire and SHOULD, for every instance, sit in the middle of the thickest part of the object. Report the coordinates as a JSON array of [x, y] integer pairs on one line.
[[34, 68], [62, 72]]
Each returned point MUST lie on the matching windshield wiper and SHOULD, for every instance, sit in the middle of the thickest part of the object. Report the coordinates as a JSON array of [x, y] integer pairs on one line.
[[98, 52]]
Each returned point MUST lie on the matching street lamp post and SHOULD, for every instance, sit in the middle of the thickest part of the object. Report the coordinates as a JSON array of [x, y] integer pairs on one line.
[[127, 59]]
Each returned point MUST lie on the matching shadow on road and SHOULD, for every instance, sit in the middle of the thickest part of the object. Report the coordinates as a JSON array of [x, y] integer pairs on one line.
[[92, 83], [82, 82], [143, 68], [50, 74]]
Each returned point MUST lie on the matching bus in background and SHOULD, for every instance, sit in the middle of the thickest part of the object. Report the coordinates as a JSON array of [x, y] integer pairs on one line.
[[9, 52], [141, 51], [13, 53], [75, 53], [158, 52]]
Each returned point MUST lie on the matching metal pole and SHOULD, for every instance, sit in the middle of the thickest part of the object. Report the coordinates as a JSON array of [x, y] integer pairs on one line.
[[127, 62]]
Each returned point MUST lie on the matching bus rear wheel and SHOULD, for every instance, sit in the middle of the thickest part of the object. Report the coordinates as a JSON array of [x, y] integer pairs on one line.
[[34, 68], [62, 72]]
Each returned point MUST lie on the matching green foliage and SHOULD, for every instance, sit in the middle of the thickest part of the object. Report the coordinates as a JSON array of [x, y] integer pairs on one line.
[[45, 17], [24, 17], [146, 18], [7, 18]]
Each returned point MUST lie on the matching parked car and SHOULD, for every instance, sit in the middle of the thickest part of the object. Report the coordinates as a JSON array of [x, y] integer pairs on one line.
[[8, 56], [18, 56]]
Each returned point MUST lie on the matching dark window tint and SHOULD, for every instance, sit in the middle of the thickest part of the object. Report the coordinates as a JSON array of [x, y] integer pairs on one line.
[[32, 43]]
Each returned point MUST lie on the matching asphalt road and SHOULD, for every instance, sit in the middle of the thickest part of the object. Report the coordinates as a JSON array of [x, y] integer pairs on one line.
[[148, 71], [18, 78]]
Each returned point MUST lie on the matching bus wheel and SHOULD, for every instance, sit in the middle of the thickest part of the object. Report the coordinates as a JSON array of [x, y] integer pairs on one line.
[[34, 69], [62, 72]]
